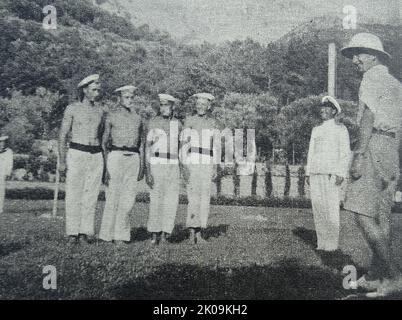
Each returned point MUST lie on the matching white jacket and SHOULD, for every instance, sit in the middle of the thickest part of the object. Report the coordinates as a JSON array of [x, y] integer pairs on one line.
[[329, 150]]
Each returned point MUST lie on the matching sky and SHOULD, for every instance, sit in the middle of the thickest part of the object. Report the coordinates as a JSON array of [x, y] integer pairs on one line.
[[216, 21]]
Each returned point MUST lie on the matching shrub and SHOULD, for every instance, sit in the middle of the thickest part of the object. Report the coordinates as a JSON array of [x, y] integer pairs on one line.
[[218, 180], [301, 173], [268, 181], [287, 182], [143, 197], [236, 181], [254, 182]]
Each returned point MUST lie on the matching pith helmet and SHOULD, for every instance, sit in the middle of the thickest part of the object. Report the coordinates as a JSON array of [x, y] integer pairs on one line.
[[364, 42]]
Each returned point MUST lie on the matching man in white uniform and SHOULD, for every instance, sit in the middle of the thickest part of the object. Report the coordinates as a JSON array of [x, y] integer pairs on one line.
[[6, 167], [327, 168], [162, 172], [84, 160], [123, 127], [199, 167]]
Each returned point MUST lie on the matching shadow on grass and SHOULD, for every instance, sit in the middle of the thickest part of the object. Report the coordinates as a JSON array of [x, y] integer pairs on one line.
[[337, 260], [286, 280], [181, 233], [307, 236], [6, 249], [140, 234]]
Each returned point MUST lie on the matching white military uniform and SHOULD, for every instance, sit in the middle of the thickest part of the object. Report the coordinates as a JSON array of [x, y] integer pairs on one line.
[[201, 166], [84, 172], [123, 167], [6, 167], [83, 181], [328, 157], [164, 135]]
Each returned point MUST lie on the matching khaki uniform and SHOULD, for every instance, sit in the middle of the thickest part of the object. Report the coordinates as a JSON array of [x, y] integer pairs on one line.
[[371, 196]]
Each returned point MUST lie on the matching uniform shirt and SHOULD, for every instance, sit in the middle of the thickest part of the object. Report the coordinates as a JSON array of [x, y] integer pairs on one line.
[[203, 138], [6, 163], [126, 127], [329, 151], [163, 135], [382, 94]]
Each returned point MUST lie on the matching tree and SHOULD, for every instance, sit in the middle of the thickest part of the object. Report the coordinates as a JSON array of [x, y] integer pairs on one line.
[[25, 118]]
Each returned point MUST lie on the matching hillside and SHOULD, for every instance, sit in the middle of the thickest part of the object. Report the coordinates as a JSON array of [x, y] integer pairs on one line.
[[196, 21], [89, 40]]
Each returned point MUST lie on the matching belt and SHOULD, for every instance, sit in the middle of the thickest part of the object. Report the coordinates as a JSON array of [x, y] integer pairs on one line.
[[166, 155], [85, 148], [207, 152], [133, 149], [384, 133]]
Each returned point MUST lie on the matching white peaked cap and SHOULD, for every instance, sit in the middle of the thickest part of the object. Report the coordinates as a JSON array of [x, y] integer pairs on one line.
[[204, 95], [333, 101], [167, 97], [88, 80], [3, 138], [126, 88], [363, 41]]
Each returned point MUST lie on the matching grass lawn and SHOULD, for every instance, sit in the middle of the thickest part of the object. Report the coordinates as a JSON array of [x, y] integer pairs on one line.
[[252, 253]]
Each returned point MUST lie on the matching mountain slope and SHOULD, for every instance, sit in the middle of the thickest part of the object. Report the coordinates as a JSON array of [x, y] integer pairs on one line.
[[194, 21]]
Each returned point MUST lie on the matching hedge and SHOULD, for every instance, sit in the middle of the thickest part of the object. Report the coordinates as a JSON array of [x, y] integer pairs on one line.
[[143, 197]]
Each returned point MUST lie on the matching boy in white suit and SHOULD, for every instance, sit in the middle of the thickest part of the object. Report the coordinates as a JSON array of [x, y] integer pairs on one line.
[[6, 167], [327, 168]]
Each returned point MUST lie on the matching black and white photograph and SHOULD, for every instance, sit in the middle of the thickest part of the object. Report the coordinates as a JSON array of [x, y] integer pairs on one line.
[[216, 151]]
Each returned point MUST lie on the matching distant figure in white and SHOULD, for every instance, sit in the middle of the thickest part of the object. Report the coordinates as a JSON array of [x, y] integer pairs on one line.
[[327, 167], [6, 167], [123, 129], [84, 161]]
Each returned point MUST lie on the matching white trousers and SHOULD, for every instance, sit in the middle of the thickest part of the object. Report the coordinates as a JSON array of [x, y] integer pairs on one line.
[[2, 192], [83, 181], [325, 198], [120, 195], [199, 193], [164, 197]]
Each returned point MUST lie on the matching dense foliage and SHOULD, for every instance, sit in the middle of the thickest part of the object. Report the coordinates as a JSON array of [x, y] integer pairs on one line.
[[257, 85]]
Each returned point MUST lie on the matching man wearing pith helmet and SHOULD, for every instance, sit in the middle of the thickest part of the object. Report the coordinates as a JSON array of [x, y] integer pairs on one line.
[[375, 166], [199, 166], [162, 169], [327, 168], [83, 161], [124, 130]]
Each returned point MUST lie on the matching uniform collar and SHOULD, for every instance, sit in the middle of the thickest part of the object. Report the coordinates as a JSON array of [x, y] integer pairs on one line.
[[4, 150], [374, 71], [328, 122]]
